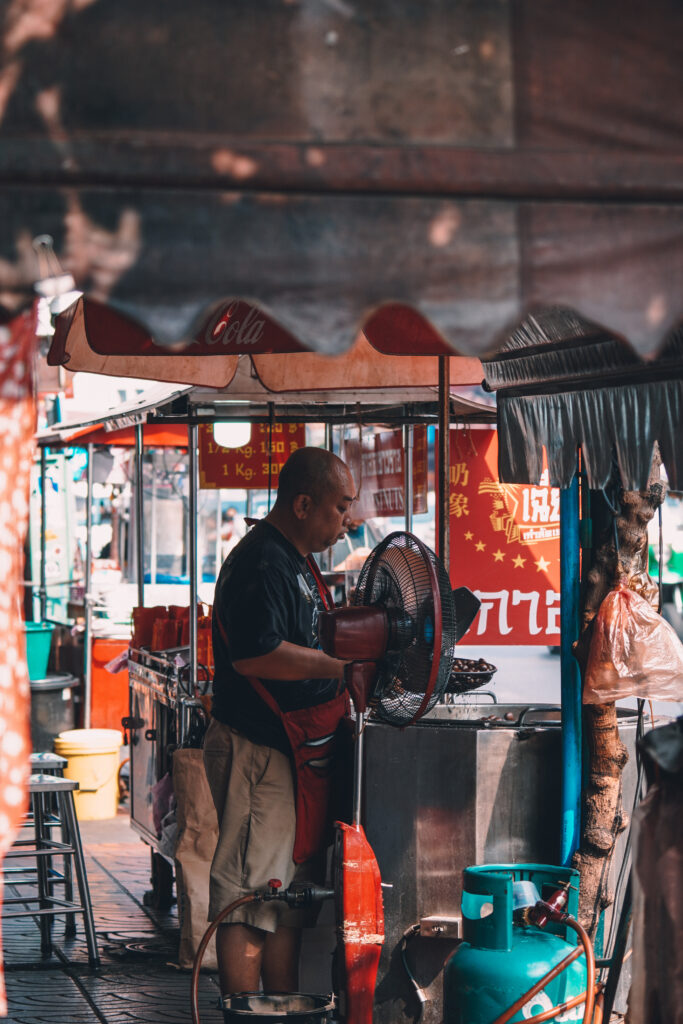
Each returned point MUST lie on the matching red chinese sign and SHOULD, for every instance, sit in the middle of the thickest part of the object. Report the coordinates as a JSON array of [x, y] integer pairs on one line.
[[378, 467], [504, 545], [255, 465]]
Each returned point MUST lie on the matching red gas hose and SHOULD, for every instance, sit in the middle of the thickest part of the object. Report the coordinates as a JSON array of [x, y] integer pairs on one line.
[[539, 1018], [589, 994], [590, 967], [201, 950]]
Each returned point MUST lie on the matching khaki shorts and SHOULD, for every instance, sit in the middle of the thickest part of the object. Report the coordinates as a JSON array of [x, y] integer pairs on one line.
[[253, 790]]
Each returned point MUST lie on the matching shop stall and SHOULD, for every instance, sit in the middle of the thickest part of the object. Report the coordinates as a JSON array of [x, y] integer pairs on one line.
[[166, 707], [434, 179]]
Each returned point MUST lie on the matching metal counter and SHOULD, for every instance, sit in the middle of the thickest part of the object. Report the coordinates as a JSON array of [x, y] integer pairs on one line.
[[162, 716], [456, 789]]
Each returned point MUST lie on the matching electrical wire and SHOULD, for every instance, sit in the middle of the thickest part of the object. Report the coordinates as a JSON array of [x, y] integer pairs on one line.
[[409, 934], [661, 562], [615, 509]]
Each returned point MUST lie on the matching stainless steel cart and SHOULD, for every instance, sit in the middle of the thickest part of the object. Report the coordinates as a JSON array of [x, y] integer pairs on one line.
[[163, 715]]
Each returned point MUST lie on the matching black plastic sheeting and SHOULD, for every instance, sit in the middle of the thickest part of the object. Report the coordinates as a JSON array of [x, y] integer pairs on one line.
[[622, 422]]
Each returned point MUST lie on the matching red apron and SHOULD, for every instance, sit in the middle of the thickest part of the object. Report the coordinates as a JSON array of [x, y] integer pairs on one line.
[[312, 736]]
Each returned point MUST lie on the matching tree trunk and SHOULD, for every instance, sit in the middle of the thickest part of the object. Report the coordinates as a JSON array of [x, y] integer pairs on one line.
[[604, 817]]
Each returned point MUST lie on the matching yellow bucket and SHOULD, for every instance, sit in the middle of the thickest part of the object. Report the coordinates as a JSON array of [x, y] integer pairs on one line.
[[93, 762]]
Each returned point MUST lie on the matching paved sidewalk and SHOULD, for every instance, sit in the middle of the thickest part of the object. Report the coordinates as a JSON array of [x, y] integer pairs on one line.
[[138, 981]]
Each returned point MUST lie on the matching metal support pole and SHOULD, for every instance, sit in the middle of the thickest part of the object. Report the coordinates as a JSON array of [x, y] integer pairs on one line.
[[153, 524], [326, 560], [42, 592], [192, 550], [443, 471], [88, 600], [139, 514], [571, 677], [219, 529], [408, 477], [358, 769]]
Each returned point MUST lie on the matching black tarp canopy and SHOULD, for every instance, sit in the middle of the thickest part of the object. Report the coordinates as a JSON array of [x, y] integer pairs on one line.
[[561, 385]]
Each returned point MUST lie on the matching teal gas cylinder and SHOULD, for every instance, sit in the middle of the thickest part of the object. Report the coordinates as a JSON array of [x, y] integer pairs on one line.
[[501, 959]]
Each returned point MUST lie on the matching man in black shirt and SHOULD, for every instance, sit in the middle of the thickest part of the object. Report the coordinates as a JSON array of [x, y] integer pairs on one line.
[[276, 694]]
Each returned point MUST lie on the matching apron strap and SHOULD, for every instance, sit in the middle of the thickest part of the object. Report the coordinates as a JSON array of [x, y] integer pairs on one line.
[[323, 589], [328, 604], [263, 693]]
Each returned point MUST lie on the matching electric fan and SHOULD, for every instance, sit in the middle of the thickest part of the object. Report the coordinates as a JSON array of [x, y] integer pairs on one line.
[[399, 635]]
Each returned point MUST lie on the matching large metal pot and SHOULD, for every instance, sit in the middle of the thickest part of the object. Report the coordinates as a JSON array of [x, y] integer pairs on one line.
[[275, 1007]]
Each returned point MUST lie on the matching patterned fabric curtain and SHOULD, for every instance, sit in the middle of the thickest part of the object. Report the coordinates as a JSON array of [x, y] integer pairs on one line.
[[17, 427]]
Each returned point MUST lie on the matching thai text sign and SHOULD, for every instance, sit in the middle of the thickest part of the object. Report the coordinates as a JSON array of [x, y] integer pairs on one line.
[[504, 545], [378, 467], [255, 465]]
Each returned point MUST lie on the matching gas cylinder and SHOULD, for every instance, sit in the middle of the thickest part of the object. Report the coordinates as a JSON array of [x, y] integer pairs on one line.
[[501, 957]]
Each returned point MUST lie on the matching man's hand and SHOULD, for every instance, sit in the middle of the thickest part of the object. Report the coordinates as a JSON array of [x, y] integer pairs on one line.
[[360, 677], [290, 662]]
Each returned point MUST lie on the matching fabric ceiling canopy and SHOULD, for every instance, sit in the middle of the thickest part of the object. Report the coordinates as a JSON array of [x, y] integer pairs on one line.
[[336, 165]]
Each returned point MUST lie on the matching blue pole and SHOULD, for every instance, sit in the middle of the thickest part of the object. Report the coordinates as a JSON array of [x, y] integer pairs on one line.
[[571, 677]]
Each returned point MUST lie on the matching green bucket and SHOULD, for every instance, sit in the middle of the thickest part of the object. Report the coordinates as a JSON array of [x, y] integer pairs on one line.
[[38, 640]]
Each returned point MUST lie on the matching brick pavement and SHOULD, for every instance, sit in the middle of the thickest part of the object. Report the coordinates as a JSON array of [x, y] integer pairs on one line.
[[138, 981]]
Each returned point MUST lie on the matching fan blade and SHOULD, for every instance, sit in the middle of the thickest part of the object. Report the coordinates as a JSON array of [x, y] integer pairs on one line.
[[466, 607]]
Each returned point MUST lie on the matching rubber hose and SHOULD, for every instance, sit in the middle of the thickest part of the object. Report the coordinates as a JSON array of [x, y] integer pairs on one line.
[[540, 1018], [201, 950], [586, 948]]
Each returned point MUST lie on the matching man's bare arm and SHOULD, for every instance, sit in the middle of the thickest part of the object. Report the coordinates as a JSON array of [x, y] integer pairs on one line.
[[290, 662]]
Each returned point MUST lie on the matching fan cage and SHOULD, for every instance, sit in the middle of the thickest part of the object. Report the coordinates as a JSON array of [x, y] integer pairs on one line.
[[404, 577]]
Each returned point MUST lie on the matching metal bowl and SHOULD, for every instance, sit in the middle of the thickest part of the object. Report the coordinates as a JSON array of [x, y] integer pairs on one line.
[[468, 674], [269, 1008]]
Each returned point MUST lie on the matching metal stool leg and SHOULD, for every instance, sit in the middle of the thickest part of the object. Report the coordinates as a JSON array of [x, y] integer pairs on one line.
[[70, 929], [42, 874], [69, 817]]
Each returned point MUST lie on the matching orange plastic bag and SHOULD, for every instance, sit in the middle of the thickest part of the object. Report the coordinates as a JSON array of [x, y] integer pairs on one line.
[[165, 634], [143, 624], [634, 652]]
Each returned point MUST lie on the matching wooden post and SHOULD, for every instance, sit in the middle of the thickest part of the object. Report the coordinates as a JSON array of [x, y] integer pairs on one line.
[[604, 816]]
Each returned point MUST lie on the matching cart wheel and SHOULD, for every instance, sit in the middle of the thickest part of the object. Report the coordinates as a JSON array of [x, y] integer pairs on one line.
[[160, 896]]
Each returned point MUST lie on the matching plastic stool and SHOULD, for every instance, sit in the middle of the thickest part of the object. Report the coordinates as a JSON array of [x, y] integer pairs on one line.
[[47, 791]]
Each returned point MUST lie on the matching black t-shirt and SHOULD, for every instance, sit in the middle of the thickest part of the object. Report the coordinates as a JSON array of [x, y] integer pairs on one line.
[[265, 593]]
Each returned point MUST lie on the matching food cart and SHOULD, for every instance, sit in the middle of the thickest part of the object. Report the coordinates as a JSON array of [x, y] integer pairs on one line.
[[166, 711]]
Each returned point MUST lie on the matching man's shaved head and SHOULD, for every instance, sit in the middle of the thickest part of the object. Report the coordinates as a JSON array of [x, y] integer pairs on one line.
[[312, 471], [314, 498]]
